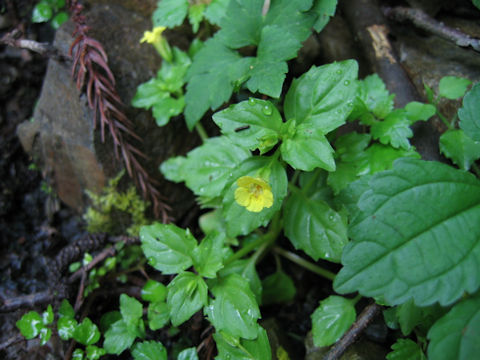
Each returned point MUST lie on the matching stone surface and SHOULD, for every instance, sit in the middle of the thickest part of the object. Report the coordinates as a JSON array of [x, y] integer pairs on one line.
[[62, 138]]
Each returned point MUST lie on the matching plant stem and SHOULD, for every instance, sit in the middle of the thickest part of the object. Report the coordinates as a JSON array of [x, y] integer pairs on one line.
[[201, 131], [304, 263]]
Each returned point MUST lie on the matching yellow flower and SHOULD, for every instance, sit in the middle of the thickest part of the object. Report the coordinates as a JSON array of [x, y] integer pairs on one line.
[[154, 36], [253, 193]]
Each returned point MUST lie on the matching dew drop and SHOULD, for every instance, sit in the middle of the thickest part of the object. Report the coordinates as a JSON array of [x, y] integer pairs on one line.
[[202, 190], [267, 110], [346, 82], [152, 261], [331, 218], [339, 72], [251, 101]]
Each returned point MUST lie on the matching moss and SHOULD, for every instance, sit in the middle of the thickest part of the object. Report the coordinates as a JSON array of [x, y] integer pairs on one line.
[[116, 212]]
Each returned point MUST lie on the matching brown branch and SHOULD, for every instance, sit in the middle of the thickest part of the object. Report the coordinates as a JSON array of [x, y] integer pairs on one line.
[[11, 341], [425, 22], [367, 315], [110, 251], [26, 301]]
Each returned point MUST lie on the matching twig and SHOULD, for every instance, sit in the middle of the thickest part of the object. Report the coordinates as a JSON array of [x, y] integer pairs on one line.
[[13, 39], [26, 301], [425, 22], [110, 251], [367, 315], [10, 341], [81, 289]]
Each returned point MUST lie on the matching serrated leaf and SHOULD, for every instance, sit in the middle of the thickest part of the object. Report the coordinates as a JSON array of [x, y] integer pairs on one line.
[[257, 349], [94, 352], [66, 327], [131, 309], [251, 124], [86, 332], [158, 315], [234, 309], [458, 147], [373, 97], [331, 319], [195, 16], [278, 288], [149, 94], [216, 11], [418, 111], [170, 13], [118, 338], [468, 113], [394, 130], [453, 87], [406, 349], [325, 9], [416, 236], [239, 220], [149, 350], [308, 149], [349, 147], [312, 226], [208, 168], [154, 291], [166, 108], [455, 335], [188, 354], [323, 96], [168, 248], [208, 256], [245, 269], [214, 73], [381, 157], [187, 294]]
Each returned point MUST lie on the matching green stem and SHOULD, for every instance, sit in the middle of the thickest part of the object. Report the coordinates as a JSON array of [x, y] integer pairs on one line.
[[304, 263], [201, 131], [356, 299]]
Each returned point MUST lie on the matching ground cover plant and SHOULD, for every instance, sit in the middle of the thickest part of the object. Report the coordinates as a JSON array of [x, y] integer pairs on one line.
[[319, 171]]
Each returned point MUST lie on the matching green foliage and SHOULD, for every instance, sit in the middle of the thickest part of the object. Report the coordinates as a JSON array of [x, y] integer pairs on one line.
[[49, 10], [452, 87], [331, 319], [116, 212], [458, 147], [278, 288], [406, 349], [468, 114]]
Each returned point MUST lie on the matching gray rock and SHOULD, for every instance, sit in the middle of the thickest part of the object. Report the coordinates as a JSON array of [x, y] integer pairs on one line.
[[62, 138]]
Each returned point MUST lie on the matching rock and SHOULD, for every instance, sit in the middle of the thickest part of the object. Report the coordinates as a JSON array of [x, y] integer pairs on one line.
[[62, 138]]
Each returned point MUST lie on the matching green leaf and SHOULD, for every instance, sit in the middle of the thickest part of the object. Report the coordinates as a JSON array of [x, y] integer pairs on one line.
[[168, 248], [66, 327], [239, 220], [312, 226], [66, 310], [308, 149], [30, 324], [77, 354], [45, 335], [234, 309], [214, 73], [372, 97], [47, 316], [453, 87], [158, 315], [323, 96], [216, 10], [42, 12], [406, 349], [408, 316], [381, 157], [415, 236], [251, 124], [325, 9], [94, 352], [208, 168], [187, 294], [150, 93], [418, 111], [59, 19], [476, 3], [468, 113], [131, 310], [118, 338], [154, 291], [455, 335], [242, 23], [86, 332], [278, 288], [245, 269], [170, 13], [458, 147], [108, 319], [195, 15], [331, 319], [208, 256], [257, 349], [394, 130], [188, 354], [149, 350], [166, 108]]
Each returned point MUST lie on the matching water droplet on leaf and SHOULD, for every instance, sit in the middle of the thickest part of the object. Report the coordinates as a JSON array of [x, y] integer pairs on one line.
[[251, 101], [267, 110], [339, 71], [346, 82]]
